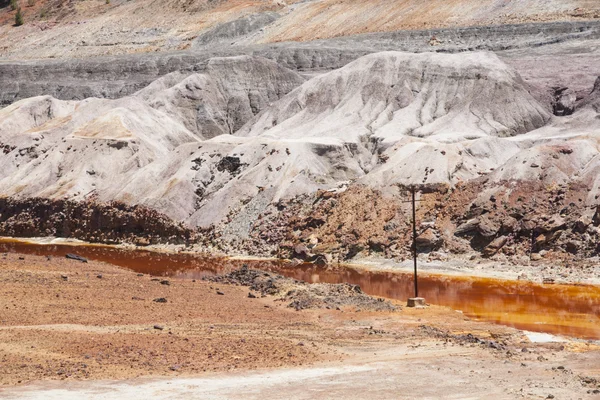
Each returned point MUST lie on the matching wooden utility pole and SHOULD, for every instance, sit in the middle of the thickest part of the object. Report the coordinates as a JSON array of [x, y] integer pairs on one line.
[[414, 241], [415, 301]]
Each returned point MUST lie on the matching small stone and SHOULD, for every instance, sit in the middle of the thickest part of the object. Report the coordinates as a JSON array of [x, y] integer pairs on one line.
[[158, 327], [220, 293], [99, 276], [165, 282], [140, 274], [76, 257], [495, 246], [160, 300], [522, 277], [64, 277], [251, 296]]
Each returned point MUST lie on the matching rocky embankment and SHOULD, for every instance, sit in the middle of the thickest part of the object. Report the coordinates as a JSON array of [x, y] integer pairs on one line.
[[508, 222], [94, 222]]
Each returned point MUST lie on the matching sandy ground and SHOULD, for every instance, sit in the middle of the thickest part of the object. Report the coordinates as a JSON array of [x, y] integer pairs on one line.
[[67, 333]]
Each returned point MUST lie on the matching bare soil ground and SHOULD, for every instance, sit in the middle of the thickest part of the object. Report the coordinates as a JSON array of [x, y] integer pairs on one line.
[[78, 323], [66, 29]]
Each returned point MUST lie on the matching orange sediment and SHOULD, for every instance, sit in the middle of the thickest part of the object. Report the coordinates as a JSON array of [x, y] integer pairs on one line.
[[570, 310]]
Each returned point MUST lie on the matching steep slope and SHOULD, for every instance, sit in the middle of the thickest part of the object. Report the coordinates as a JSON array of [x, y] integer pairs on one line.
[[364, 122], [325, 19], [61, 29], [385, 96], [358, 124], [95, 147]]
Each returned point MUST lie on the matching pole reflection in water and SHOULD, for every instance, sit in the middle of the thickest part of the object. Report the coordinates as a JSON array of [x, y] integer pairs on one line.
[[559, 309]]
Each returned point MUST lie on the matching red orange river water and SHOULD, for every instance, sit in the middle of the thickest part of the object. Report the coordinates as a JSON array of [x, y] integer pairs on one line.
[[569, 310]]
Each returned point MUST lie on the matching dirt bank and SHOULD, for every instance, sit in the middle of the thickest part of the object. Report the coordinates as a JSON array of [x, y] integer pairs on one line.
[[91, 221]]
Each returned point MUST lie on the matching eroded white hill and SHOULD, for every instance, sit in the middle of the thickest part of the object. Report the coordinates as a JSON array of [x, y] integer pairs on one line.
[[222, 143]]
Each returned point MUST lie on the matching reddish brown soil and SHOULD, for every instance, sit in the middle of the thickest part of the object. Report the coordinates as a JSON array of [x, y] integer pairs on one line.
[[60, 321], [90, 327]]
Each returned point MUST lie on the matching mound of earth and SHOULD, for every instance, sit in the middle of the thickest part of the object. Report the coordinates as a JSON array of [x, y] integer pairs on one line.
[[302, 295], [331, 129], [385, 96], [98, 148]]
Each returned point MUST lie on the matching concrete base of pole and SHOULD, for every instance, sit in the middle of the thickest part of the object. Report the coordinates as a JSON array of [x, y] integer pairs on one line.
[[416, 302]]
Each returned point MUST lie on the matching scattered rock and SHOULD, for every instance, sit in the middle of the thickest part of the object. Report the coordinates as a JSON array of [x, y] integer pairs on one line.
[[523, 277], [536, 257], [322, 260], [302, 252], [160, 300], [75, 257], [428, 240], [495, 246], [301, 295]]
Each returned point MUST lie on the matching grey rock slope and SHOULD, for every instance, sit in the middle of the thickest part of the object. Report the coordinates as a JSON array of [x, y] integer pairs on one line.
[[118, 76], [222, 94], [235, 29], [96, 147], [385, 96]]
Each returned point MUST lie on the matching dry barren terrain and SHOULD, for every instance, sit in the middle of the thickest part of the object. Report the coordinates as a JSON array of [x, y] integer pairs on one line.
[[64, 322], [64, 29]]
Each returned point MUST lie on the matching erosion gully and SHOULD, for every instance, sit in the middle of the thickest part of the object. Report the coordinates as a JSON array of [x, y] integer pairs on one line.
[[568, 310]]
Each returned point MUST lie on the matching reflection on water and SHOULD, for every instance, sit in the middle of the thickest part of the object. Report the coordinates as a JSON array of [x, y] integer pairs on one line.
[[558, 309]]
